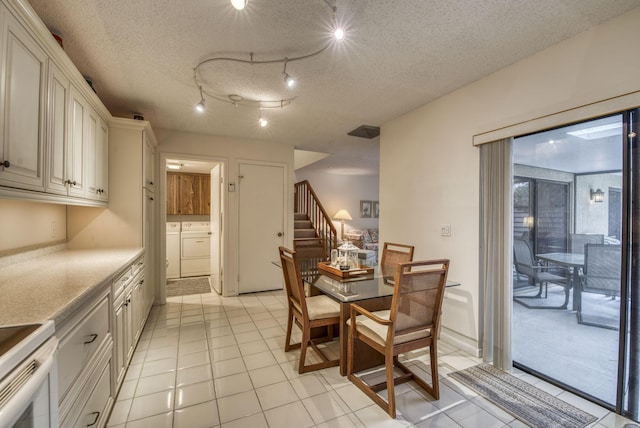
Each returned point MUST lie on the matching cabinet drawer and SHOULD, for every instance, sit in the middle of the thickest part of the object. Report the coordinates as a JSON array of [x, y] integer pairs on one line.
[[137, 266], [80, 344], [94, 412], [122, 281]]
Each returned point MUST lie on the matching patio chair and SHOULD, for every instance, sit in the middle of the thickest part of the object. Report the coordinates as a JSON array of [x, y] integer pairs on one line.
[[392, 254], [307, 313], [602, 266], [526, 264], [577, 241], [411, 323]]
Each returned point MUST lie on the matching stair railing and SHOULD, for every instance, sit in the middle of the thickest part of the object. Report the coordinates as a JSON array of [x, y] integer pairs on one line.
[[307, 202]]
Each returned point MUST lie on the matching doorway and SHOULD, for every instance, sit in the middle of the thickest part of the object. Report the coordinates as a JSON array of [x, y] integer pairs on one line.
[[194, 204]]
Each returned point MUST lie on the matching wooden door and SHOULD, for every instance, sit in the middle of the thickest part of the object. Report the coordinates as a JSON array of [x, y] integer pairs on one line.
[[261, 226], [173, 199], [186, 193]]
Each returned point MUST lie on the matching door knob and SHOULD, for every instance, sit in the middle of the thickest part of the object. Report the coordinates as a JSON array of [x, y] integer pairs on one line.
[[279, 234]]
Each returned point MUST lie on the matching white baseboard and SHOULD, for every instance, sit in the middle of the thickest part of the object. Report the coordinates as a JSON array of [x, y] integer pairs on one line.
[[463, 343]]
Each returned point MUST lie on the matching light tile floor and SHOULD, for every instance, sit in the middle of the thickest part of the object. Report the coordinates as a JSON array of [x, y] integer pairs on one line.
[[208, 361]]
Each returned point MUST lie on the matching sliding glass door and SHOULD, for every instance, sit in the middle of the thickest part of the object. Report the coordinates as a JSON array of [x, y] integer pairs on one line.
[[568, 189]]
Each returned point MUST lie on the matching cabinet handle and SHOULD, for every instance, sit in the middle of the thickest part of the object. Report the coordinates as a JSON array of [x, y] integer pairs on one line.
[[93, 338], [6, 164], [95, 420]]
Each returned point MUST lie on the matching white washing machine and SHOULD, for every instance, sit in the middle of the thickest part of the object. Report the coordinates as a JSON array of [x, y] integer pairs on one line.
[[173, 249], [195, 248]]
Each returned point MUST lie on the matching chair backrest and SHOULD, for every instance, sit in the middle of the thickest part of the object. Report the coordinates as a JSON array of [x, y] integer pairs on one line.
[[293, 279], [577, 241], [602, 265], [523, 257], [417, 296], [392, 254]]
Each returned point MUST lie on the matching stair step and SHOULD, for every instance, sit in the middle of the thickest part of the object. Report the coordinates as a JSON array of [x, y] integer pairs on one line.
[[304, 233], [302, 224], [300, 216], [307, 242]]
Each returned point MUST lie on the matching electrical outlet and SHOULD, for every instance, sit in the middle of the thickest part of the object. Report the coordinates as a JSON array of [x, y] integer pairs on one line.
[[445, 230]]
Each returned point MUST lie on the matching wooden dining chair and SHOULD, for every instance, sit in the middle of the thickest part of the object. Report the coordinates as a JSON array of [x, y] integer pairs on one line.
[[392, 254], [307, 313], [411, 323]]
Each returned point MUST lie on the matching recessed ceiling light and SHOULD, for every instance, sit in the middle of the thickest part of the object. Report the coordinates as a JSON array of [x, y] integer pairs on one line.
[[239, 4]]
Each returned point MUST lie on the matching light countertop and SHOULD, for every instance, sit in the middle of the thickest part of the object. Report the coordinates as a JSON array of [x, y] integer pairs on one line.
[[53, 286]]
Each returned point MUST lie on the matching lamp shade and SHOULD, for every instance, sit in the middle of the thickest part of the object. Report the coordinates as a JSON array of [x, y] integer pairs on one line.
[[342, 215]]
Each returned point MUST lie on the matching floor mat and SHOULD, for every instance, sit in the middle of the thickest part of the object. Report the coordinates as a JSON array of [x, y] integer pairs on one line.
[[185, 286], [524, 401]]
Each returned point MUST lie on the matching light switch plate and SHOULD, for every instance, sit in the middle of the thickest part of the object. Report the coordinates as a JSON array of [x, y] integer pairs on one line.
[[445, 230]]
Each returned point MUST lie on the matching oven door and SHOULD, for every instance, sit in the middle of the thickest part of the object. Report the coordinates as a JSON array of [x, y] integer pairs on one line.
[[28, 395]]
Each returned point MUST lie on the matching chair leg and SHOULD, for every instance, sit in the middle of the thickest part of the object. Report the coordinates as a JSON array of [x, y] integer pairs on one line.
[[304, 343], [391, 395], [287, 343], [433, 353]]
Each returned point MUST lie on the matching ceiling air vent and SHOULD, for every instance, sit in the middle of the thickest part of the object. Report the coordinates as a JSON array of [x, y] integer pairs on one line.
[[366, 131]]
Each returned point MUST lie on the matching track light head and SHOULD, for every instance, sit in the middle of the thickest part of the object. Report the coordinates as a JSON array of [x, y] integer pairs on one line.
[[239, 4], [200, 106], [289, 81]]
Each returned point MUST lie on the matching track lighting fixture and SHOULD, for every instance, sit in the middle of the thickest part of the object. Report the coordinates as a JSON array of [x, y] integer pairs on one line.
[[288, 80], [245, 99], [239, 4], [200, 105]]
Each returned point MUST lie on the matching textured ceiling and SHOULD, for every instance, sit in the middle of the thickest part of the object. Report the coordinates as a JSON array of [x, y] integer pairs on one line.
[[397, 56]]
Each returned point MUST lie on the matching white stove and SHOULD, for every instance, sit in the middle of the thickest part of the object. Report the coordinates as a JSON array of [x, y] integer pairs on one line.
[[28, 375]]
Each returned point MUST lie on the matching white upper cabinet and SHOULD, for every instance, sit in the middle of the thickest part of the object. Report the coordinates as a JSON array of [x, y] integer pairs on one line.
[[96, 161], [57, 131], [22, 107], [148, 163], [76, 143], [53, 128]]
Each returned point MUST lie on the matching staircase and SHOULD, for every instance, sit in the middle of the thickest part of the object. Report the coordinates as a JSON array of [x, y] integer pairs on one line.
[[306, 241], [314, 233]]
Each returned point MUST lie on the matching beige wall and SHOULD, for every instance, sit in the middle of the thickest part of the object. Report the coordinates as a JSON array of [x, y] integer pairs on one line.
[[24, 224], [343, 192], [231, 152], [429, 170]]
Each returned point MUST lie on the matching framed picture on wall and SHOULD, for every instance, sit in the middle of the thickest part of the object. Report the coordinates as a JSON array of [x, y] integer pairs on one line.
[[375, 209], [365, 209]]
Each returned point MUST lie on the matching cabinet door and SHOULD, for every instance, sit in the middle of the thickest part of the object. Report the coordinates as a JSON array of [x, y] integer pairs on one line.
[[173, 199], [75, 143], [57, 131], [186, 194], [96, 161], [102, 160], [91, 151], [120, 345], [202, 196], [22, 107], [148, 163]]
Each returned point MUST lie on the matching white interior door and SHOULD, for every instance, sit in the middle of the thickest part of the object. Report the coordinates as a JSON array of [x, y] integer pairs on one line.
[[215, 222], [261, 226]]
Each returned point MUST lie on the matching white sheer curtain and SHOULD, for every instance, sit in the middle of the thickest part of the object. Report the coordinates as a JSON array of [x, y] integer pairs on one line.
[[495, 252]]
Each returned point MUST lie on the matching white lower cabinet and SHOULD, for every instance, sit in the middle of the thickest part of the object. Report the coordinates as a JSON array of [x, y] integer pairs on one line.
[[130, 313], [96, 346], [95, 411], [86, 347]]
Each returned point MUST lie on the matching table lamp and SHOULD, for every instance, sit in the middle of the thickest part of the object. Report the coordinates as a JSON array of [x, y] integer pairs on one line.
[[342, 215]]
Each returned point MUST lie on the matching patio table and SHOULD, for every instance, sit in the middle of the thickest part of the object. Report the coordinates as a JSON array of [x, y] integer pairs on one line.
[[573, 261]]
